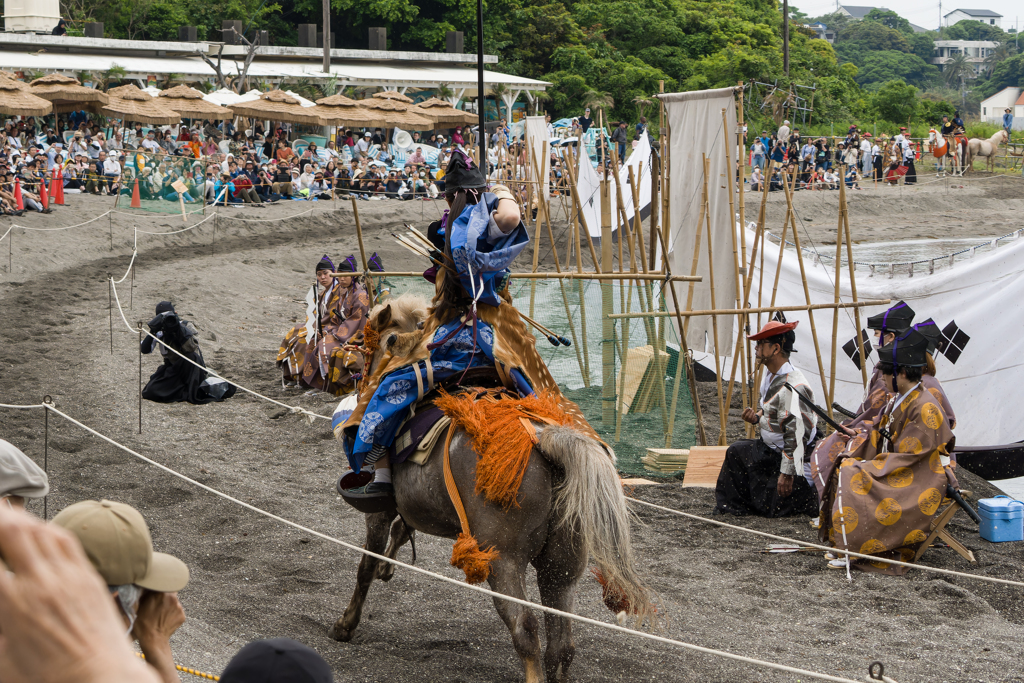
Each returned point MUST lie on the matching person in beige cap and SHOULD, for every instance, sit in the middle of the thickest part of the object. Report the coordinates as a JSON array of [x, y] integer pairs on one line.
[[144, 583], [20, 478]]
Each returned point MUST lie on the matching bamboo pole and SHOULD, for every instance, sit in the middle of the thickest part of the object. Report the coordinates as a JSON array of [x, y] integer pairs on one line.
[[853, 288], [735, 246], [722, 414], [835, 314], [807, 291], [359, 234], [579, 213], [761, 309], [745, 326], [653, 277], [607, 307], [579, 289]]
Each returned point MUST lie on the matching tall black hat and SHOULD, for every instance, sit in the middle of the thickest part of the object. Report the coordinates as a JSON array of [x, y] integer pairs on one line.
[[907, 350], [463, 174], [348, 265], [164, 307], [931, 332], [375, 264], [896, 320], [325, 263]]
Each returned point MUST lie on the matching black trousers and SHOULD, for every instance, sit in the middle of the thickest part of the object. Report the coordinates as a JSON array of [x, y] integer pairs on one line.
[[748, 481], [911, 177]]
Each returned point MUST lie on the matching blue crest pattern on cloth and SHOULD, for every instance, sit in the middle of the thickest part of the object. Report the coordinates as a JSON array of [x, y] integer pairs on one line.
[[390, 404], [473, 251]]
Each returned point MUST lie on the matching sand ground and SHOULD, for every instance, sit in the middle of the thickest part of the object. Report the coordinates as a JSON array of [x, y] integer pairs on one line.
[[242, 282]]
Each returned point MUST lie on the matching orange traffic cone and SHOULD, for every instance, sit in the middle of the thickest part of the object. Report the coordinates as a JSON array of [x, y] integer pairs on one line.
[[58, 185], [17, 194], [44, 199], [136, 202]]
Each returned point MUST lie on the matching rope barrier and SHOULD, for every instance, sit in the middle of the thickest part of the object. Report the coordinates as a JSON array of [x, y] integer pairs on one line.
[[294, 409], [66, 227], [873, 558], [185, 669], [441, 577], [127, 272]]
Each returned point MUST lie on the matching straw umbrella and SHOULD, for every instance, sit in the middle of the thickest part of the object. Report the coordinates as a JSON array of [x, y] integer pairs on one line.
[[65, 91], [389, 113], [342, 111], [442, 113], [190, 104], [393, 95], [17, 101], [277, 105], [131, 104]]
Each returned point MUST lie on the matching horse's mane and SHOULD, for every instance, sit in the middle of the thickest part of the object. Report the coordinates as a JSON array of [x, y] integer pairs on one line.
[[407, 310]]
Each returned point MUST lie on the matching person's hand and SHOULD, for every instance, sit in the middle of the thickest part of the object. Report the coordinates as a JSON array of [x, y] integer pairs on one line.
[[752, 416], [58, 622], [159, 616], [845, 433], [785, 485]]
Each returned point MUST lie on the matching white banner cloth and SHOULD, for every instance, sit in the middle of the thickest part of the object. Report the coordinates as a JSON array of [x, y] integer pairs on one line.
[[978, 303], [536, 136], [695, 124]]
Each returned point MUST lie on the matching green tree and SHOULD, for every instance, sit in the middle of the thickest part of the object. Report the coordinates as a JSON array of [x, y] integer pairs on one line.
[[890, 19], [889, 65], [1001, 53], [1007, 74], [973, 30], [957, 70], [896, 101], [923, 45]]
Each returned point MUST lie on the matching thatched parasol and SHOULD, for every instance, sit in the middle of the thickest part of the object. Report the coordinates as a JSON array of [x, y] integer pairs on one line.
[[341, 111], [442, 113], [278, 105], [389, 113], [393, 95], [131, 104], [190, 104], [12, 79], [16, 101], [65, 90]]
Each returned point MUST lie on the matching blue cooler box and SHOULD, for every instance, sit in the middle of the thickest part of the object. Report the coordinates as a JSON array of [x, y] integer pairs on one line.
[[1002, 519]]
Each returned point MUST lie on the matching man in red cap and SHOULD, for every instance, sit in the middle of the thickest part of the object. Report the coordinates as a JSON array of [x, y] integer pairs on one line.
[[766, 476]]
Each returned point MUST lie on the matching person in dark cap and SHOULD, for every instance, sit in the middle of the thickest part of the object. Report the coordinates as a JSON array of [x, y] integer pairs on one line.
[[928, 378], [178, 379], [378, 288], [312, 354], [277, 660], [886, 486], [766, 476]]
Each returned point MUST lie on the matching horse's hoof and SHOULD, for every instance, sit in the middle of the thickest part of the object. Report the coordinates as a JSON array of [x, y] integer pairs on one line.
[[385, 571], [340, 633]]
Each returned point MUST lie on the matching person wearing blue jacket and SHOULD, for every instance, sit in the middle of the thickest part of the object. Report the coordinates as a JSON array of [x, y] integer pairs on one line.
[[218, 190], [1008, 121]]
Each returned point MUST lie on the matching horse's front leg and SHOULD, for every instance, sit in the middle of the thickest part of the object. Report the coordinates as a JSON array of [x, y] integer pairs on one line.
[[377, 526], [401, 534]]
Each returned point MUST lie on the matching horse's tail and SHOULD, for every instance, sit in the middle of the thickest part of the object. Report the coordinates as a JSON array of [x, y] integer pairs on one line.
[[590, 500]]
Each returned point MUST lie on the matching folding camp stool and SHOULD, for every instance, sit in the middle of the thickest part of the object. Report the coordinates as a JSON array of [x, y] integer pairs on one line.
[[939, 530]]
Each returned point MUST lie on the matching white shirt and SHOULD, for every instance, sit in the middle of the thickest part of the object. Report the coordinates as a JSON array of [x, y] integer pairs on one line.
[[774, 439], [111, 167], [151, 145]]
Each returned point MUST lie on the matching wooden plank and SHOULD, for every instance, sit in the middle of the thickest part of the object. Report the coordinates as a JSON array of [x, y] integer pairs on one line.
[[647, 397], [637, 361], [638, 481], [703, 466]]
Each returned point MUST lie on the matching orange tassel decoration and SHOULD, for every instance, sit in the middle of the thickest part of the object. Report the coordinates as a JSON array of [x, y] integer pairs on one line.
[[467, 556], [500, 438]]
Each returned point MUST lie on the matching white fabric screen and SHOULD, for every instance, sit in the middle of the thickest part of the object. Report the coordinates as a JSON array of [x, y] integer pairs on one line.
[[981, 297], [536, 135], [695, 125]]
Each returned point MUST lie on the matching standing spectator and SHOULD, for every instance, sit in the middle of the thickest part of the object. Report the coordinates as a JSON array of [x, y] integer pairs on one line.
[[641, 128], [619, 136], [866, 160], [550, 126], [585, 121], [876, 160], [757, 153], [783, 134], [808, 153], [1008, 122]]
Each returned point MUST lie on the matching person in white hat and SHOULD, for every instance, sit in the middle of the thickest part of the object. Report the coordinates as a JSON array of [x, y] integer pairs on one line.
[[143, 583], [20, 478]]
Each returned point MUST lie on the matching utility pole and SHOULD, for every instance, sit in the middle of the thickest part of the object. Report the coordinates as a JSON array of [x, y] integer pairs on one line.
[[327, 36], [785, 37], [480, 83]]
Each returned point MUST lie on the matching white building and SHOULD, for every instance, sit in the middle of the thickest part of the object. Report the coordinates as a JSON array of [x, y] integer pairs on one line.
[[985, 16], [993, 108], [976, 52], [856, 12], [822, 32]]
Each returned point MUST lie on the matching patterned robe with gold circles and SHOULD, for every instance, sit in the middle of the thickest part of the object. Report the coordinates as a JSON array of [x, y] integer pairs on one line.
[[881, 495]]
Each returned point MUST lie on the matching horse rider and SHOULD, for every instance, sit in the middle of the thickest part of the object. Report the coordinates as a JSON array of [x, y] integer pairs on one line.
[[471, 324]]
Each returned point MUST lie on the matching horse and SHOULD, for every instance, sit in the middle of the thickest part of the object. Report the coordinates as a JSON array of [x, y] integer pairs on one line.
[[987, 149], [570, 506], [941, 150]]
